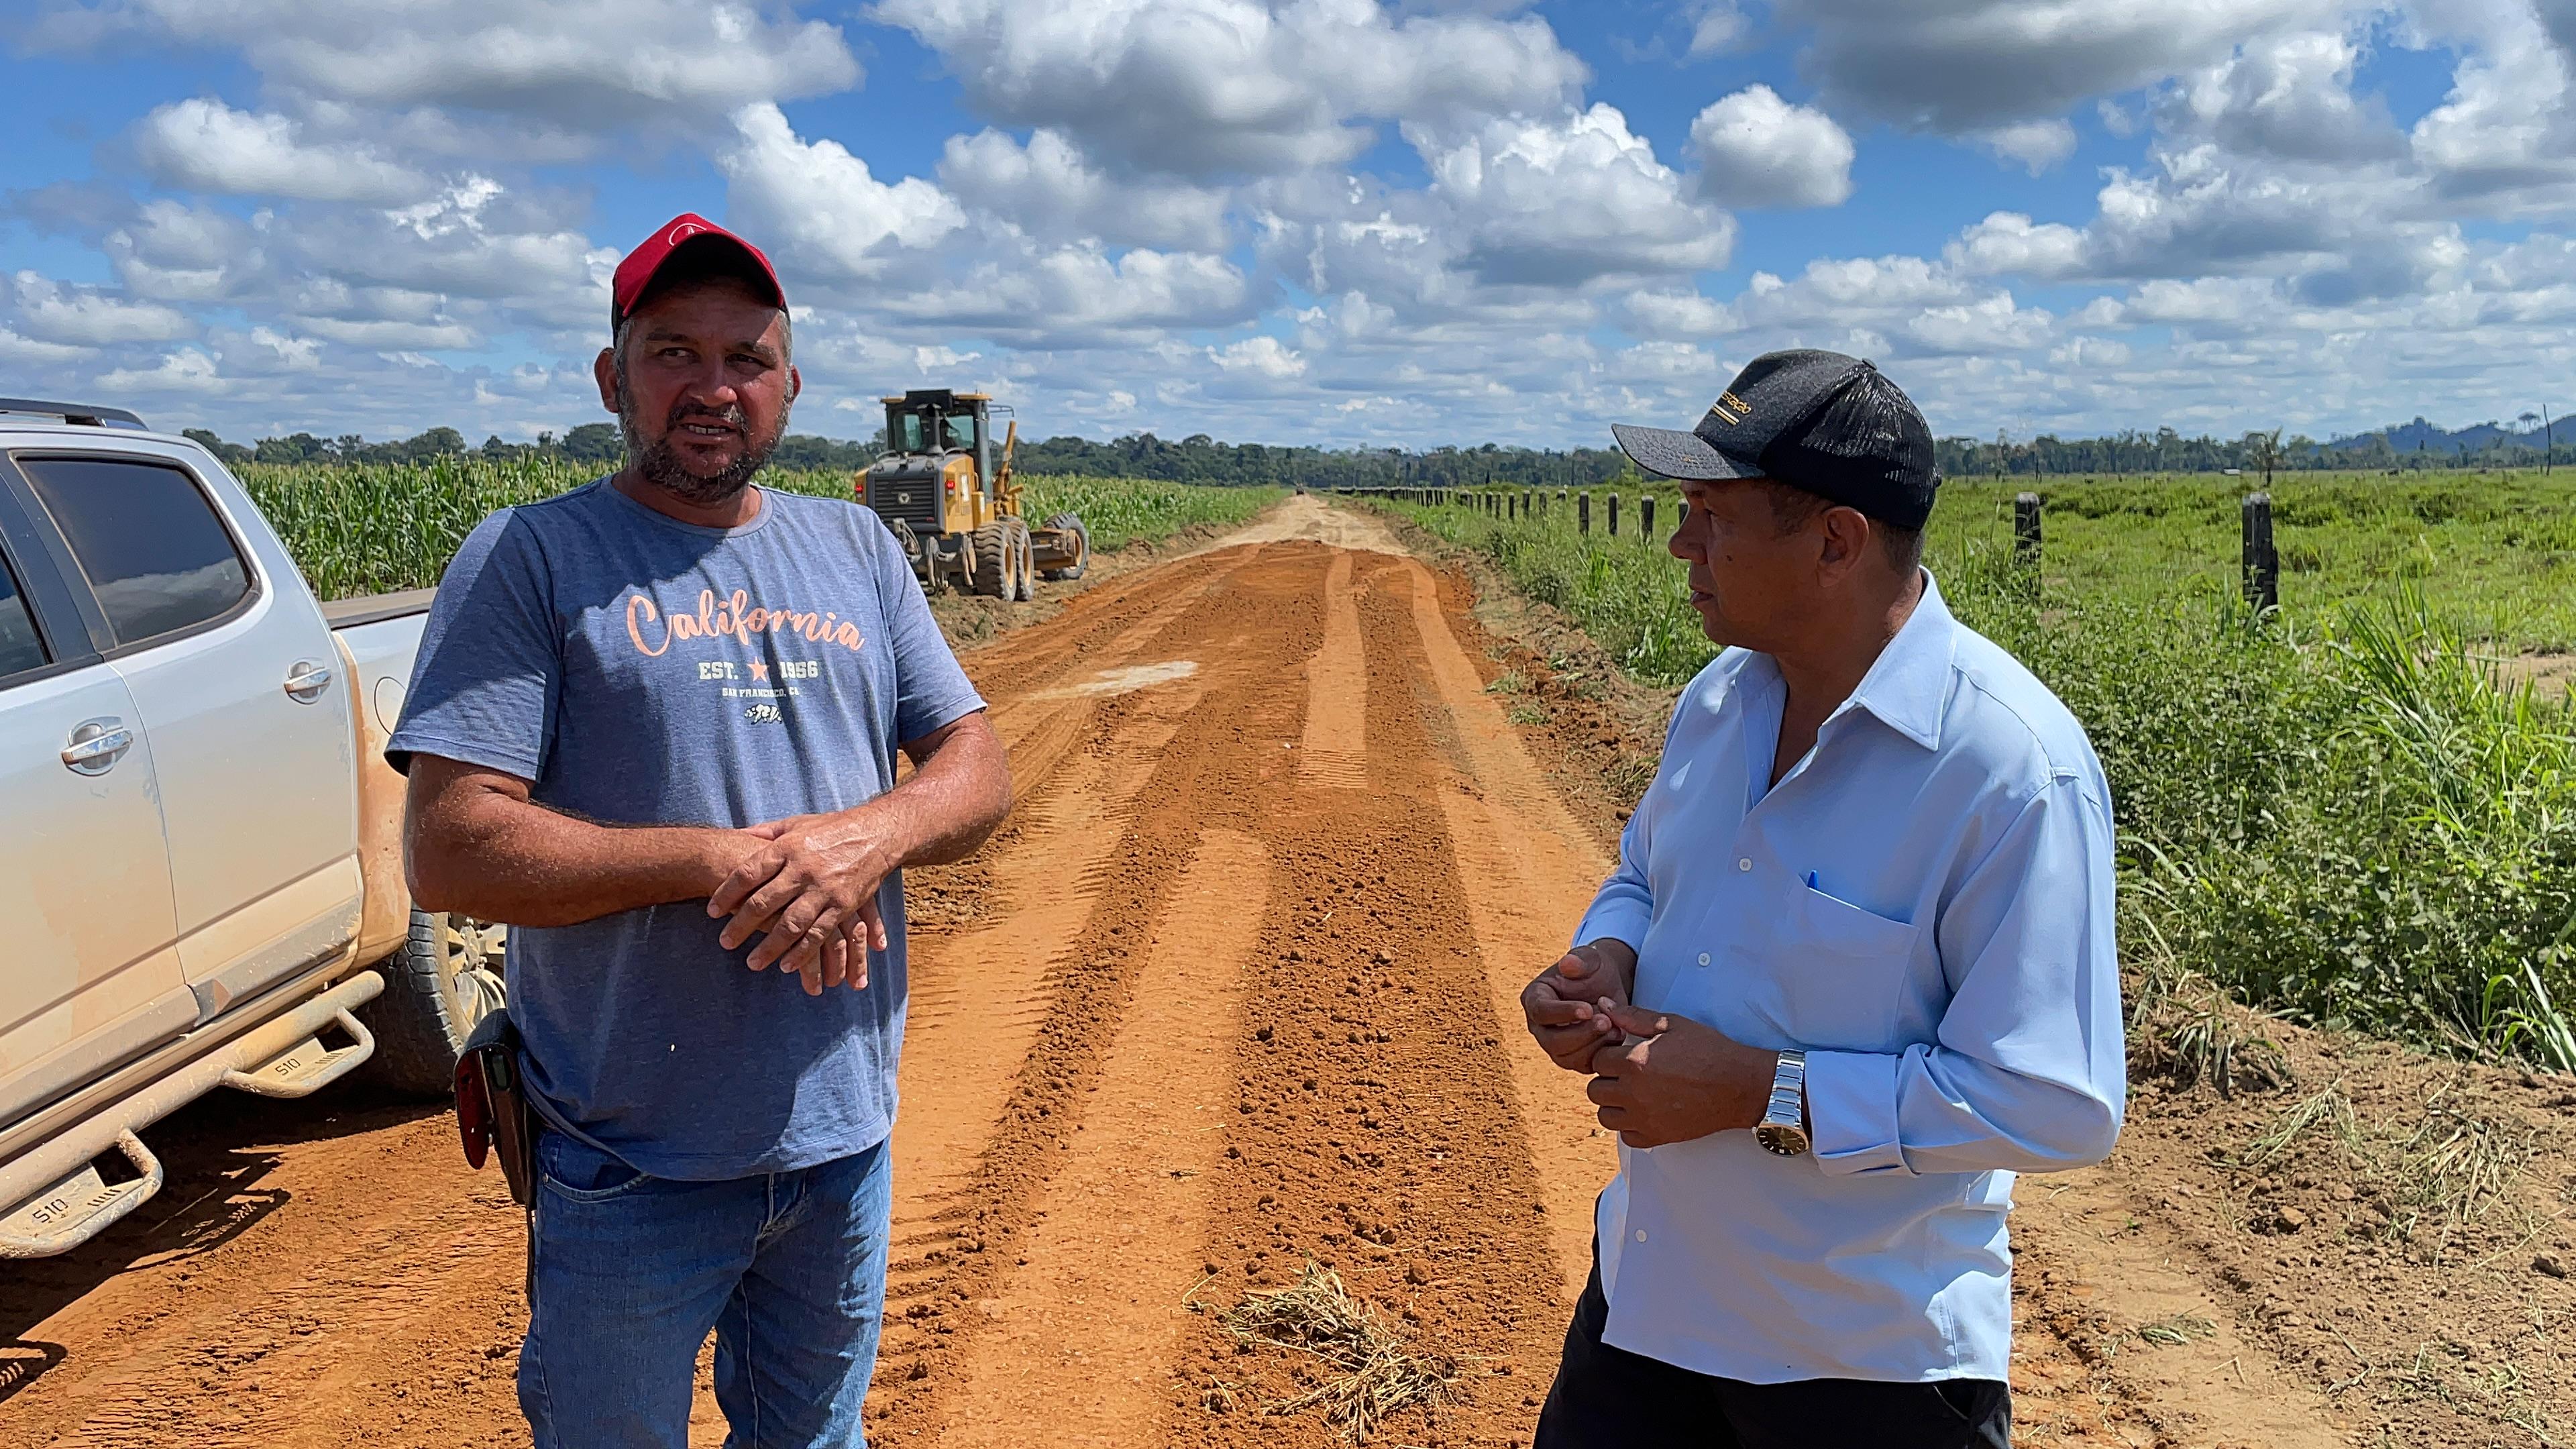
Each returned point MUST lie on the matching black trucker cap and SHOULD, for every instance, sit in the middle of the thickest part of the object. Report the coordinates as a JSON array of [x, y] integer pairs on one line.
[[1830, 424]]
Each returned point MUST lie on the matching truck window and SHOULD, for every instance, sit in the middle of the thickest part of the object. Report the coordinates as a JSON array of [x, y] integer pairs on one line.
[[20, 649], [148, 539]]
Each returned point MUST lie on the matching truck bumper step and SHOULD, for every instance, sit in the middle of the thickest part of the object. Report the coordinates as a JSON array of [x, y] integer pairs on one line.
[[53, 1198], [81, 1206], [308, 1066]]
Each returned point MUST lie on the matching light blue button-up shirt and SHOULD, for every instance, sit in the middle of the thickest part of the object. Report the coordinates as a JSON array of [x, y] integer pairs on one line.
[[1924, 906]]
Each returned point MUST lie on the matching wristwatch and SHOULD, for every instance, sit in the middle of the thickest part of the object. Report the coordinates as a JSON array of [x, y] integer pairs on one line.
[[1783, 1128]]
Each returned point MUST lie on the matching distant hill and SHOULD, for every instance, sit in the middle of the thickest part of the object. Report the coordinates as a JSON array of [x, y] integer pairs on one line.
[[2431, 438]]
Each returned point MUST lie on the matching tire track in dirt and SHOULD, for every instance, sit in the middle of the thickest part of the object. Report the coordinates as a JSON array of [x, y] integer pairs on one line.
[[2081, 1243], [1209, 776], [1334, 751], [978, 1018], [1372, 1135], [1086, 1321], [1100, 628], [1039, 724], [1531, 872]]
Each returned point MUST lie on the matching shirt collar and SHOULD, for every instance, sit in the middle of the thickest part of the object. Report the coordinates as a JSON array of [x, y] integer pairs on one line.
[[1908, 685]]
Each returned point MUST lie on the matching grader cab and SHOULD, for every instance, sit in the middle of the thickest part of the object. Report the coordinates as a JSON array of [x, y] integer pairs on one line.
[[946, 492]]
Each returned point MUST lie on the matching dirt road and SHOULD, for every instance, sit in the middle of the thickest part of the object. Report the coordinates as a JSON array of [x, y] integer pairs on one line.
[[1232, 993]]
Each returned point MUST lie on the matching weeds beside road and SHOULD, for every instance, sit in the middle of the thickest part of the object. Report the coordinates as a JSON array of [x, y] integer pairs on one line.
[[2344, 811]]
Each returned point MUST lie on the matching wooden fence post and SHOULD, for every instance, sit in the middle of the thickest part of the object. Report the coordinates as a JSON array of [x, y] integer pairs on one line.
[[2262, 563], [1583, 513], [1646, 518], [1614, 515], [2026, 530]]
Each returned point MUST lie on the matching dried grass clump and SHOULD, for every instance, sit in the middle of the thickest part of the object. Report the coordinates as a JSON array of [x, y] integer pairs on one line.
[[2187, 1029], [2329, 1112], [2458, 1164], [1372, 1372]]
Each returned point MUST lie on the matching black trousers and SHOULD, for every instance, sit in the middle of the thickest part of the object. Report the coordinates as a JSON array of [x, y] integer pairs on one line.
[[1609, 1398]]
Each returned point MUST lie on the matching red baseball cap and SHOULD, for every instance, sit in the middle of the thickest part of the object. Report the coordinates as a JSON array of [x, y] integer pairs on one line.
[[702, 248]]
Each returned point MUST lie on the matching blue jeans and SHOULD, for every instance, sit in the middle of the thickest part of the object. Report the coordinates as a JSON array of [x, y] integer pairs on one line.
[[627, 1274]]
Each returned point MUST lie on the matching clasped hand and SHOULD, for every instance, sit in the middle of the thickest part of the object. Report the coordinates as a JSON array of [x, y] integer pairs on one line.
[[1656, 1078], [808, 886]]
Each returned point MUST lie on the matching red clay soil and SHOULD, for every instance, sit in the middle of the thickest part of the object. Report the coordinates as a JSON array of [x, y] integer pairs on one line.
[[1232, 994]]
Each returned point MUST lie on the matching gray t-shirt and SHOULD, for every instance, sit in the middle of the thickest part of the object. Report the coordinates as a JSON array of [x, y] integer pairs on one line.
[[638, 670]]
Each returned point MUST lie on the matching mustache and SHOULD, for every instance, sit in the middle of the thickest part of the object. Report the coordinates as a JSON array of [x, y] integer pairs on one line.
[[731, 415]]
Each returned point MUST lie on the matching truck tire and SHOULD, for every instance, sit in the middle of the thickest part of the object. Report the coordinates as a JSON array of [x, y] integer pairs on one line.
[[446, 978], [993, 570], [1082, 557]]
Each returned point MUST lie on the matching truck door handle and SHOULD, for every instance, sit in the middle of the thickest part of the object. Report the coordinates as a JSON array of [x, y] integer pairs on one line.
[[96, 745], [307, 680]]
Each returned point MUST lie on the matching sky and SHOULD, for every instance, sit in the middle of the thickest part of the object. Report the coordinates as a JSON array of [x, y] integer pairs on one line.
[[1333, 222]]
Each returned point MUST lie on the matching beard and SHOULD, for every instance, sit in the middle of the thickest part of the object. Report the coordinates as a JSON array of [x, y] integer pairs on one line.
[[659, 464]]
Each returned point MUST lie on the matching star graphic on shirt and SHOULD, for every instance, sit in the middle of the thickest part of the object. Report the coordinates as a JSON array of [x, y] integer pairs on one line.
[[759, 672]]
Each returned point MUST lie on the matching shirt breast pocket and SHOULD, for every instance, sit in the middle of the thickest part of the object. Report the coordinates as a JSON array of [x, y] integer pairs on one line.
[[1829, 975]]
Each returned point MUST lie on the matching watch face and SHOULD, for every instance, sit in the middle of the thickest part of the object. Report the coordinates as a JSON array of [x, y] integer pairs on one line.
[[1786, 1139]]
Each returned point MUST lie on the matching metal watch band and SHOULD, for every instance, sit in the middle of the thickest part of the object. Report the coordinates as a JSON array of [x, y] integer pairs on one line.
[[1784, 1119]]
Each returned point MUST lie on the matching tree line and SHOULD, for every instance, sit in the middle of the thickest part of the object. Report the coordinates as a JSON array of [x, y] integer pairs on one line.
[[2408, 447], [1195, 459], [1201, 459]]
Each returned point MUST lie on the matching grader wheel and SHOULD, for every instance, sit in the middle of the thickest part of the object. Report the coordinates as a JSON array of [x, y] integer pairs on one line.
[[995, 574], [1071, 522], [1023, 554]]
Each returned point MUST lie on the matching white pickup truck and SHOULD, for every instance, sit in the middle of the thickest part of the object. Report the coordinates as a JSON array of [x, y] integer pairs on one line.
[[200, 843]]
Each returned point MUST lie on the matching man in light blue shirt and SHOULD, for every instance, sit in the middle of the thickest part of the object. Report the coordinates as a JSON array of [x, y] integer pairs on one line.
[[1855, 969]]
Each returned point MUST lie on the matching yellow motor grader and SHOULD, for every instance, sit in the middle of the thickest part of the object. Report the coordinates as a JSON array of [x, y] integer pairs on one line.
[[953, 505]]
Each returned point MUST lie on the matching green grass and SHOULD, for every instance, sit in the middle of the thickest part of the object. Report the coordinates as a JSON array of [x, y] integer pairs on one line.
[[2343, 811], [2497, 551], [375, 528]]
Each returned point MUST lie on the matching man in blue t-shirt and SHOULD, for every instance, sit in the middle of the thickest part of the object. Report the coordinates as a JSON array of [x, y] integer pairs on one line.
[[653, 728]]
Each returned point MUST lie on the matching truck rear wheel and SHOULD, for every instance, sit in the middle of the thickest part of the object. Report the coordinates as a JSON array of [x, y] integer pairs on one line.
[[994, 572], [1071, 523], [445, 979]]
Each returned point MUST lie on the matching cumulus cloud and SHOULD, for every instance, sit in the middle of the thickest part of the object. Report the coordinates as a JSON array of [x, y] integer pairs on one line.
[[2286, 95], [1264, 356], [2035, 145], [1677, 316], [1207, 88], [832, 212], [1565, 201], [185, 371], [377, 332], [2090, 352], [1081, 296], [1969, 66], [205, 145], [2007, 242], [1048, 187], [28, 352], [169, 251], [53, 311], [1718, 26], [547, 60], [1755, 149], [1991, 324], [469, 240]]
